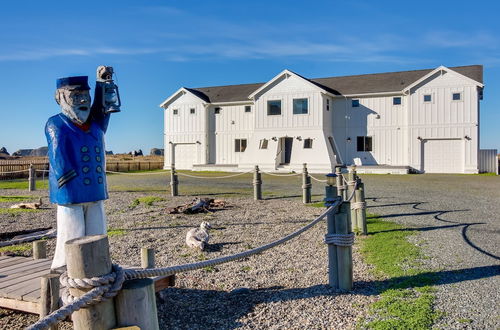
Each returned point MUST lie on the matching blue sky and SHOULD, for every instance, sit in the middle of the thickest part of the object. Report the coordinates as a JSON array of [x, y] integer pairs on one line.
[[158, 46]]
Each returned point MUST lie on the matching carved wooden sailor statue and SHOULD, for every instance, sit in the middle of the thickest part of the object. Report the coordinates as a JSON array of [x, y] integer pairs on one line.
[[77, 178]]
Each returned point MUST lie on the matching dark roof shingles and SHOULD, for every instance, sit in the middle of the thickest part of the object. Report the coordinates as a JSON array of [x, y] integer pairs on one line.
[[346, 85]]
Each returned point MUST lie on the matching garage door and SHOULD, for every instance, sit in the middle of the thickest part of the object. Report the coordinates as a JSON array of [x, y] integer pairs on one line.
[[185, 156], [443, 156]]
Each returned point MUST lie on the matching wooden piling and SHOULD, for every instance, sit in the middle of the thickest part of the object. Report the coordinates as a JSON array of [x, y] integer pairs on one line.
[[330, 195], [49, 296], [88, 257], [39, 249], [306, 185], [344, 253], [351, 183], [174, 182], [362, 214], [257, 184], [136, 304], [147, 258], [32, 178], [340, 182]]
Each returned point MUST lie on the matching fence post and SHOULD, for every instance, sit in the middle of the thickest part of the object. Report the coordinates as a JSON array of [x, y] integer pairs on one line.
[[257, 184], [306, 185], [174, 182], [49, 295], [361, 211], [351, 183], [136, 304], [32, 178], [39, 250], [340, 182], [344, 253], [147, 258], [330, 198], [88, 257]]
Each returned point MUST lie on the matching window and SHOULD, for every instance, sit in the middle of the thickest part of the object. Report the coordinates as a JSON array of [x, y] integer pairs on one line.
[[299, 106], [427, 98], [263, 144], [308, 143], [456, 96], [327, 104], [364, 143], [175, 111], [248, 108], [192, 111], [217, 110], [355, 103], [240, 145], [396, 100], [274, 107]]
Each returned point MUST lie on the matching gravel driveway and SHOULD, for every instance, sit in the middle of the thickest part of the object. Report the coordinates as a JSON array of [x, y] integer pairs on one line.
[[456, 217]]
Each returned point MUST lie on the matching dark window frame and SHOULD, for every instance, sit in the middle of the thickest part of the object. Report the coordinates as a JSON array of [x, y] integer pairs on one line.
[[427, 98], [397, 100], [217, 110], [248, 108], [270, 110], [327, 104], [175, 112], [355, 103], [459, 96], [192, 111], [308, 143], [364, 143], [263, 144], [240, 145], [302, 99]]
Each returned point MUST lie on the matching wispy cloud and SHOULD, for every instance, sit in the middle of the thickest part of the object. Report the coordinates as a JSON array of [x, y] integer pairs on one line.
[[461, 39]]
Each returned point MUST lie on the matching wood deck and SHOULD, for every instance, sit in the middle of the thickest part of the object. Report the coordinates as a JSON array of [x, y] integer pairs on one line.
[[20, 282]]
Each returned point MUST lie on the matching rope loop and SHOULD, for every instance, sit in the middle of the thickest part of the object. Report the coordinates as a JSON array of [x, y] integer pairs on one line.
[[340, 239], [358, 205]]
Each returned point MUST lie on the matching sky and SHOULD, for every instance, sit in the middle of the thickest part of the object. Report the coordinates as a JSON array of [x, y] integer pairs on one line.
[[156, 47]]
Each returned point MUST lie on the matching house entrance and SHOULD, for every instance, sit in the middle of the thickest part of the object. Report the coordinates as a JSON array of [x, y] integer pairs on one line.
[[284, 152]]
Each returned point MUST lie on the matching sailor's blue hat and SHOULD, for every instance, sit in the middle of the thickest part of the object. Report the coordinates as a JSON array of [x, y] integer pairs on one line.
[[73, 83]]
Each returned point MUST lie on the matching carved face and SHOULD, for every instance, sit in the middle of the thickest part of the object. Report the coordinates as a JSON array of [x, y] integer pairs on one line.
[[75, 104]]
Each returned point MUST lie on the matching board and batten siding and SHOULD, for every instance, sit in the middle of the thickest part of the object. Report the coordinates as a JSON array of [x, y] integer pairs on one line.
[[375, 117], [444, 118], [185, 127]]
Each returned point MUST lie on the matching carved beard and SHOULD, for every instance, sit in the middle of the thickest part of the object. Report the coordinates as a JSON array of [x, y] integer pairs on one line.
[[77, 113]]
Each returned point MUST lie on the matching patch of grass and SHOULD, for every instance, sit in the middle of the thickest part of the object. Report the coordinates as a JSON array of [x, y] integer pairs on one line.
[[464, 321], [17, 249], [245, 268], [406, 301], [16, 198], [14, 212], [116, 232], [210, 269], [316, 204], [148, 200], [22, 184]]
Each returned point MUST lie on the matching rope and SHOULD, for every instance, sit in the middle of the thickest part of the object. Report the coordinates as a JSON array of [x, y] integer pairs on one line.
[[20, 171], [125, 173], [340, 239], [272, 174], [358, 205], [213, 177], [42, 170], [318, 180], [108, 285], [353, 191]]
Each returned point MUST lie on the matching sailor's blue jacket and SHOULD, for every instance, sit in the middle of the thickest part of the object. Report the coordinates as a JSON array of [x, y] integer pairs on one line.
[[77, 160]]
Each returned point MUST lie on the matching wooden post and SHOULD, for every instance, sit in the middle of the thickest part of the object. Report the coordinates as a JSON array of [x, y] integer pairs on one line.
[[49, 295], [362, 212], [351, 183], [330, 195], [257, 184], [136, 304], [88, 257], [344, 253], [174, 182], [32, 178], [39, 249], [340, 182], [306, 185], [147, 258]]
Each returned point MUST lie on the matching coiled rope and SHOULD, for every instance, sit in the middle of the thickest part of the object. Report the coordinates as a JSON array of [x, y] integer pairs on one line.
[[340, 239], [105, 287]]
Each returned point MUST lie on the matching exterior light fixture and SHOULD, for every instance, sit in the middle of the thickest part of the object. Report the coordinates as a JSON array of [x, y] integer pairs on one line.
[[331, 179], [419, 138], [299, 138], [467, 137], [348, 139], [274, 138]]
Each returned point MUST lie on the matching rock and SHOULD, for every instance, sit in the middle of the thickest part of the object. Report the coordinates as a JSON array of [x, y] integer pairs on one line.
[[157, 152], [40, 152], [109, 152], [22, 152], [138, 153], [3, 150]]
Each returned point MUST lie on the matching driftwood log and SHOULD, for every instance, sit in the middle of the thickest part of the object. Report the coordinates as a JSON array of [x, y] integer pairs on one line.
[[32, 206], [198, 205]]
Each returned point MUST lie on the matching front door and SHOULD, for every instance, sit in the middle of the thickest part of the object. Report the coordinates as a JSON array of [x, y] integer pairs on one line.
[[286, 150]]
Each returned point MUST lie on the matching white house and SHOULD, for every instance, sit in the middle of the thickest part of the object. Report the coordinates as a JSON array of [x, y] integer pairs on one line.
[[423, 120]]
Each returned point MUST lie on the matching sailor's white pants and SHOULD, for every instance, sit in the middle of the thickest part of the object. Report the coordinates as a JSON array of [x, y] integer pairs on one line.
[[77, 220]]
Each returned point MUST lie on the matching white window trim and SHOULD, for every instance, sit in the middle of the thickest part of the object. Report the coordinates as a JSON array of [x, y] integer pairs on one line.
[[428, 102], [461, 97], [175, 112], [244, 109], [267, 107], [397, 105], [192, 113], [308, 107]]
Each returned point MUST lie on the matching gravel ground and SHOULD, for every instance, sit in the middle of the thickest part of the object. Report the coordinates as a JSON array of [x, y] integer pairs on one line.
[[456, 217]]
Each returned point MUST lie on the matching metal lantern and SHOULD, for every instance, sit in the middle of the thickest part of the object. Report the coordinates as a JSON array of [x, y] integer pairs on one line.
[[331, 179], [109, 90]]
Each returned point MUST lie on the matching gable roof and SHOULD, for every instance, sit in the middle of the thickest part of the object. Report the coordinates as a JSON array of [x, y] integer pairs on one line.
[[345, 85]]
